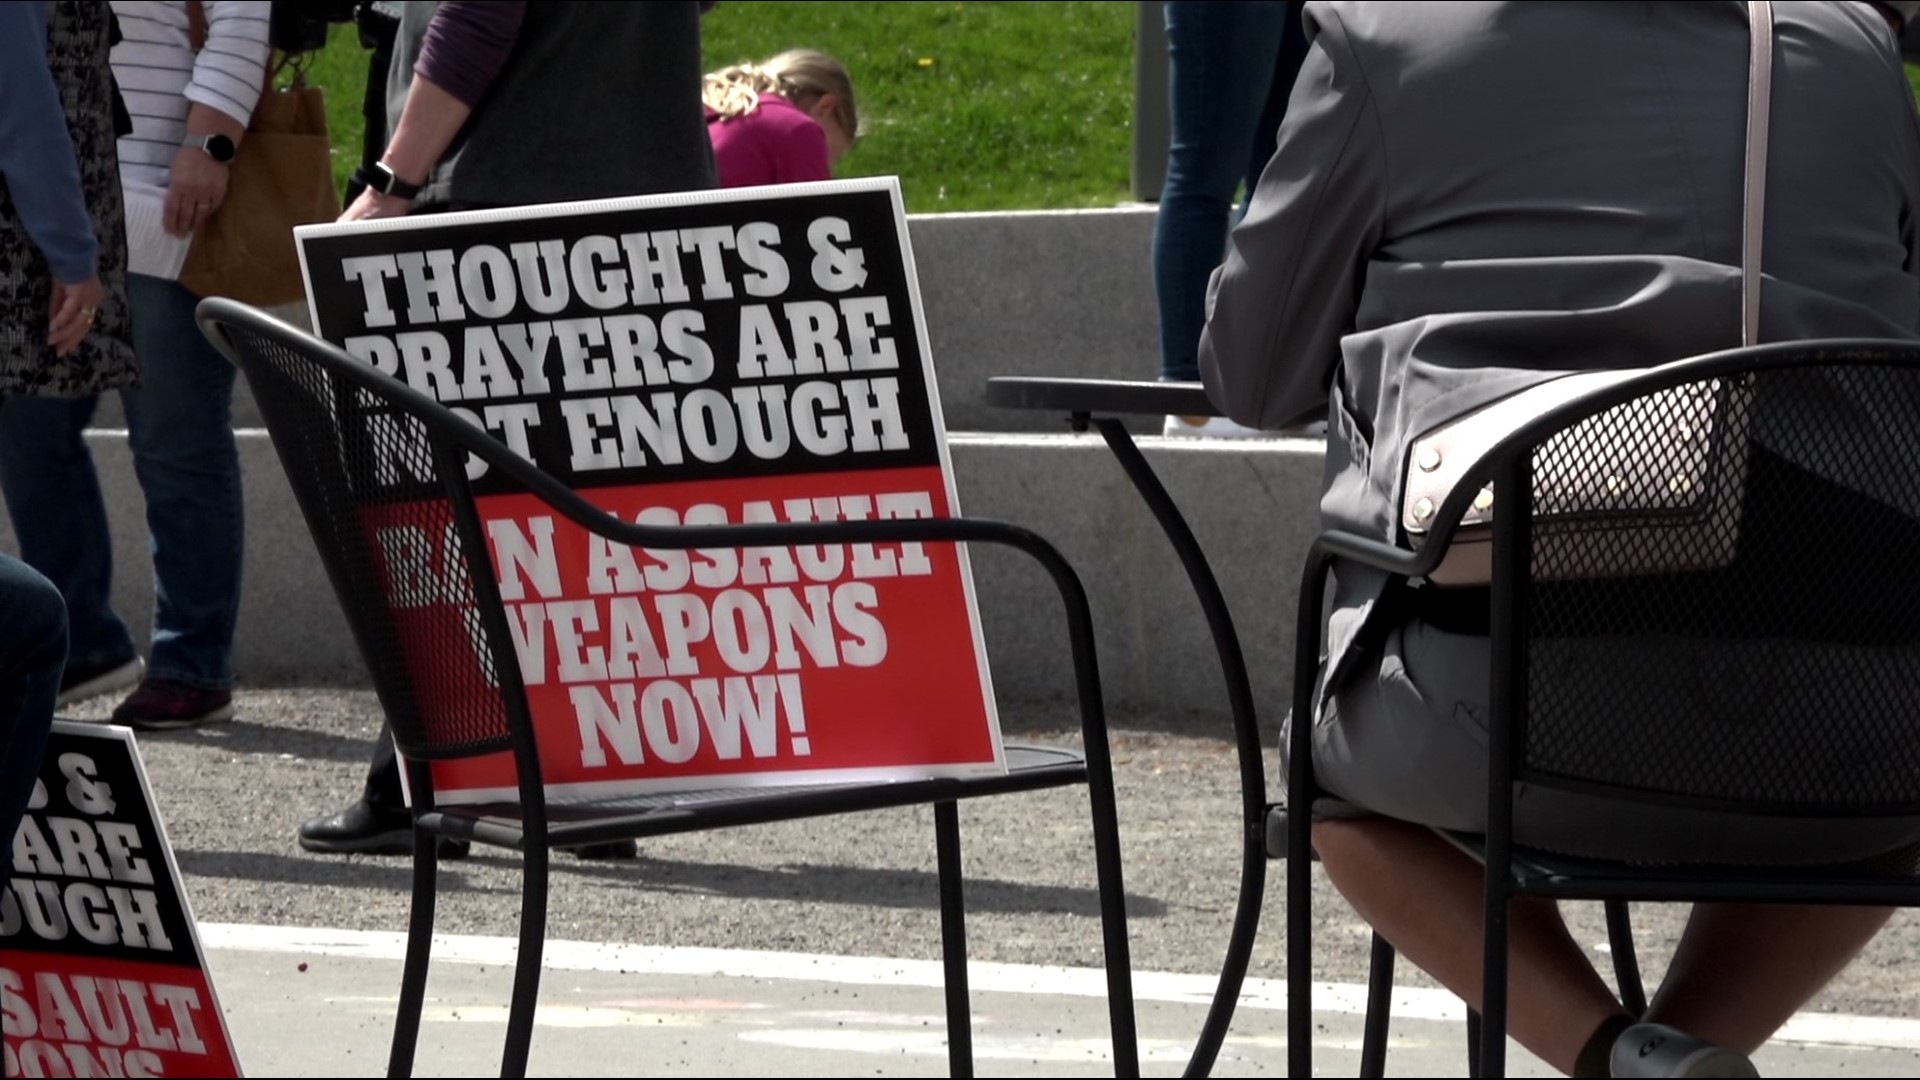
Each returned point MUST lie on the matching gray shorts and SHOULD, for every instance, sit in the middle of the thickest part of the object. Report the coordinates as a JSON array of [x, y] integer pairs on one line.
[[1406, 738]]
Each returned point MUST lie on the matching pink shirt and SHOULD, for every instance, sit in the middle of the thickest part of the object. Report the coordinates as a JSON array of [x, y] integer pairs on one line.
[[774, 144]]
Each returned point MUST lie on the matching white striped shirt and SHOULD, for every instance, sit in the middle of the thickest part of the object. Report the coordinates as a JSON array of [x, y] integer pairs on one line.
[[160, 76]]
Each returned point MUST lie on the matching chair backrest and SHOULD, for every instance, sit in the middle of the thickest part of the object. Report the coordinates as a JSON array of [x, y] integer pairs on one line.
[[383, 488], [1781, 673]]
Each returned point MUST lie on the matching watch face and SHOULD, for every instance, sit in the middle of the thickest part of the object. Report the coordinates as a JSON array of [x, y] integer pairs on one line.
[[218, 147]]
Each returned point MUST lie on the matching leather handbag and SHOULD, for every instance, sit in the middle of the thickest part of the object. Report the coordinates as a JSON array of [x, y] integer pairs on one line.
[[1688, 470], [281, 177]]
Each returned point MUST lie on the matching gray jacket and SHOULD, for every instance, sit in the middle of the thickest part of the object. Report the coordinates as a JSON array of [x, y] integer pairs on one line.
[[1468, 198]]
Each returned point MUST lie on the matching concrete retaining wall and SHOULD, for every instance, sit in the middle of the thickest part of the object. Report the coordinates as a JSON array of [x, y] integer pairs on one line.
[[1251, 507]]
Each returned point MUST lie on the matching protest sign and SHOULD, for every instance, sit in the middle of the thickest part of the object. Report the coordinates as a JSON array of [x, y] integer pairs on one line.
[[101, 972], [755, 355]]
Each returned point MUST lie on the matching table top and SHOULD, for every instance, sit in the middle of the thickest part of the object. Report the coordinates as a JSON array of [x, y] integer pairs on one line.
[[1102, 396]]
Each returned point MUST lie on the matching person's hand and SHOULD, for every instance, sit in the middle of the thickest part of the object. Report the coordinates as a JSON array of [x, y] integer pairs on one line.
[[197, 187], [73, 310], [372, 204]]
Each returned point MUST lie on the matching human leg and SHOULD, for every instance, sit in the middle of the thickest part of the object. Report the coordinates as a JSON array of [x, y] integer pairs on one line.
[[1220, 62], [180, 427], [33, 650], [1425, 896], [1741, 970], [60, 520]]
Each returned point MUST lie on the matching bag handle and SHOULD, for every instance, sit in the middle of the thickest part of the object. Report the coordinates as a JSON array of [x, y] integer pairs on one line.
[[297, 63], [196, 25], [1754, 206]]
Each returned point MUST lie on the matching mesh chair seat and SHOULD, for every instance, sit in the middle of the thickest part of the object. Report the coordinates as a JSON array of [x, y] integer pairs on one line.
[[573, 821]]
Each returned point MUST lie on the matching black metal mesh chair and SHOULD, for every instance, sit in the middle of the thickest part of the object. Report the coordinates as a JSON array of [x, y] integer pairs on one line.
[[358, 445], [1762, 658]]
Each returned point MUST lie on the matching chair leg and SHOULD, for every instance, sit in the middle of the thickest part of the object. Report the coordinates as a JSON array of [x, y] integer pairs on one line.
[[1473, 1042], [1113, 913], [1373, 1044], [527, 962], [1299, 948], [1493, 988], [1233, 969], [413, 974], [953, 939], [1626, 967]]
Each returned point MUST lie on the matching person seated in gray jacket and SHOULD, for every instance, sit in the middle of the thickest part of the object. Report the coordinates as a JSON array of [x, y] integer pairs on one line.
[[1465, 196]]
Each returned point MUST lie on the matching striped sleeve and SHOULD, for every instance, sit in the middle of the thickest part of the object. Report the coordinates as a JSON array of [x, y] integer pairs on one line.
[[152, 64], [231, 69]]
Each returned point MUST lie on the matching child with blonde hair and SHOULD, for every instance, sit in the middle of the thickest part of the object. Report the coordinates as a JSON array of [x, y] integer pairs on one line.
[[782, 121]]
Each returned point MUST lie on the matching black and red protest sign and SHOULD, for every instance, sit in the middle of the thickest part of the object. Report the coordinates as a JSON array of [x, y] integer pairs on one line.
[[745, 356], [101, 973]]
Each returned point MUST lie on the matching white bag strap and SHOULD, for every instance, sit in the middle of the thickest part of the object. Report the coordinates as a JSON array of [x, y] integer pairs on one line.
[[1754, 208], [1440, 457]]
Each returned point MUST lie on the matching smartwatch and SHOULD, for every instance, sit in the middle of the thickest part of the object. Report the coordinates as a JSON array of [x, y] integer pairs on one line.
[[218, 147], [378, 177]]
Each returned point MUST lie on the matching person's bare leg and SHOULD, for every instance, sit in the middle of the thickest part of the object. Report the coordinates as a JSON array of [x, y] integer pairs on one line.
[[1427, 898], [1742, 970]]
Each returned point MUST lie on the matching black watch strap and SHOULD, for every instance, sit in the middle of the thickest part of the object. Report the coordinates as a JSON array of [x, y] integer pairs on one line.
[[380, 178]]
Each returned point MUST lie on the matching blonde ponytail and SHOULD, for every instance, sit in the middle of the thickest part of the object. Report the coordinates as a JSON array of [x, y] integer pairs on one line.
[[735, 91], [802, 76]]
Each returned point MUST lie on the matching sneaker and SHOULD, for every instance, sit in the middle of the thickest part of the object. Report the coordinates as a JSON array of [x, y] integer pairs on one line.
[[166, 704], [1658, 1050], [91, 680], [360, 830], [1210, 427]]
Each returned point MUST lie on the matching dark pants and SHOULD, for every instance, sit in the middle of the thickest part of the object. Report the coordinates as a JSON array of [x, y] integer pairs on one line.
[[382, 792], [1229, 75], [180, 429], [33, 650]]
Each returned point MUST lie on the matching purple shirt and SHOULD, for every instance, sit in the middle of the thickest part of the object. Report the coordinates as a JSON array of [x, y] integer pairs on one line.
[[467, 44], [774, 144]]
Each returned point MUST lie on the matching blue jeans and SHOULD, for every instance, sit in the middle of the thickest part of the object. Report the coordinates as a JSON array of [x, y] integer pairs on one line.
[[1221, 58], [180, 430], [33, 649]]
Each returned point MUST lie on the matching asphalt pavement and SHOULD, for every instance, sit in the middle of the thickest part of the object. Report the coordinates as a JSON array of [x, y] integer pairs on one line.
[[808, 948]]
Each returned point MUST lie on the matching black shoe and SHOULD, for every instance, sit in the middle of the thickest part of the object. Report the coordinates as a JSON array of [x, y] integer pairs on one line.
[[607, 849], [359, 830]]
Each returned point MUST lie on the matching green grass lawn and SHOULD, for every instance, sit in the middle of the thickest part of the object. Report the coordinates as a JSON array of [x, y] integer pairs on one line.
[[975, 106]]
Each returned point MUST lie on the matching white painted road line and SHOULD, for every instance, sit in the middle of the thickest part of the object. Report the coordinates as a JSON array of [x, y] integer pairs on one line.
[[1414, 1003]]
